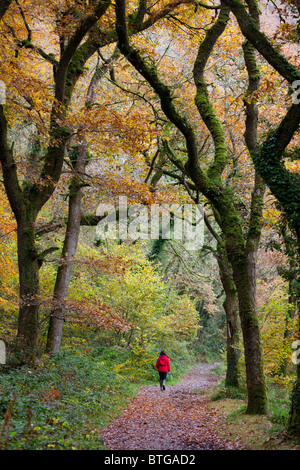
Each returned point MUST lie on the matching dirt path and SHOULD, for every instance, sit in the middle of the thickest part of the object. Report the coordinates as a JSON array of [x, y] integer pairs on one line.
[[175, 419]]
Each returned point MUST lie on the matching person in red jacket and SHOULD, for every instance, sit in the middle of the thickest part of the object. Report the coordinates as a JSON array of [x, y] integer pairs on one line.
[[163, 367]]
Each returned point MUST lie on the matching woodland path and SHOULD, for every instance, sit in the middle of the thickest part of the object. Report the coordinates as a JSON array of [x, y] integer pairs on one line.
[[175, 419]]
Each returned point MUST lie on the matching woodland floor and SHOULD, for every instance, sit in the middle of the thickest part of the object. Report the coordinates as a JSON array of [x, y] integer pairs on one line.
[[178, 418]]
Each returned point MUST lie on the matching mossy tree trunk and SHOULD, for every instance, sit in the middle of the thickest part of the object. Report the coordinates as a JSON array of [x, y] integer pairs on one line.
[[268, 159], [29, 265], [231, 308], [241, 246], [245, 279], [232, 319], [242, 256], [210, 184]]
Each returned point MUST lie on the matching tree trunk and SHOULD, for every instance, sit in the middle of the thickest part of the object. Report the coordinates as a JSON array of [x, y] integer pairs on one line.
[[28, 263], [241, 252], [74, 219], [231, 310], [63, 276], [290, 315], [245, 277], [4, 6], [294, 421], [64, 271]]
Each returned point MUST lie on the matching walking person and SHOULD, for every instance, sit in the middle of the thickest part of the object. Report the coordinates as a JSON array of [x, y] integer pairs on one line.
[[163, 367]]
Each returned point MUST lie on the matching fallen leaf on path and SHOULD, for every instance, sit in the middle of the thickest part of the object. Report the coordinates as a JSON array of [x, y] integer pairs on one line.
[[175, 419]]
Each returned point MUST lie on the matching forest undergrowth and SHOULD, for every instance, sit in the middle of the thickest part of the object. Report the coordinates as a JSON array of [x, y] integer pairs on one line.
[[66, 401], [63, 402]]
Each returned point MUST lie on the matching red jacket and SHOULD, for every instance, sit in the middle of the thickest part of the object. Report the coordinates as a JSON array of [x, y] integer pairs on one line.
[[163, 364]]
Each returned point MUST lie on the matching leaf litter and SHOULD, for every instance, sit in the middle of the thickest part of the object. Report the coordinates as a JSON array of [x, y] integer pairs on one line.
[[178, 418]]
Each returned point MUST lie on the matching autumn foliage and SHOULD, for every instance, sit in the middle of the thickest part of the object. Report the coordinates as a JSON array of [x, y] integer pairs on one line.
[[164, 102]]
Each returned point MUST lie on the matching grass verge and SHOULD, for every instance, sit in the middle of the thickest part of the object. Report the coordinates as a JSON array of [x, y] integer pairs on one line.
[[65, 401], [62, 404], [253, 432]]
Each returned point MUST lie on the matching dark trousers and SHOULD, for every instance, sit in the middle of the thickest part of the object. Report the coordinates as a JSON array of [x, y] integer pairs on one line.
[[162, 376], [162, 380]]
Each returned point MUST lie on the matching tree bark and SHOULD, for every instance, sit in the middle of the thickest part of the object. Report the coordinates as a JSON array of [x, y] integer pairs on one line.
[[242, 257], [63, 277], [28, 320], [231, 308], [4, 6], [28, 263], [294, 420], [245, 279], [232, 314]]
